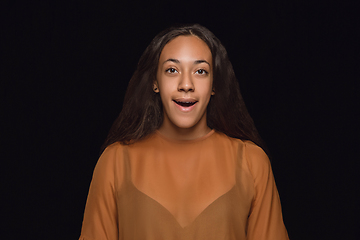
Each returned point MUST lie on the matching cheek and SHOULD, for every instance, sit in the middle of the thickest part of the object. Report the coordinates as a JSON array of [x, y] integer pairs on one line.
[[165, 91], [207, 89]]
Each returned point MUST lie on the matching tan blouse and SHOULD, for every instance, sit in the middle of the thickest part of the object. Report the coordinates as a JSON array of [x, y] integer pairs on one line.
[[214, 187]]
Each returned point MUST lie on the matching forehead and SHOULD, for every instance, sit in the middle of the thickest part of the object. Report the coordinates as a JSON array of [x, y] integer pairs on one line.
[[186, 48]]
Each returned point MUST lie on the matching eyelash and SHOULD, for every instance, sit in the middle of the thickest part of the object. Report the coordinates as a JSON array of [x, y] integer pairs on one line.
[[172, 70], [204, 72]]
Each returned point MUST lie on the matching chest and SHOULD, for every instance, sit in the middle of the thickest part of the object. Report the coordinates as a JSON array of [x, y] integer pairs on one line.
[[187, 187]]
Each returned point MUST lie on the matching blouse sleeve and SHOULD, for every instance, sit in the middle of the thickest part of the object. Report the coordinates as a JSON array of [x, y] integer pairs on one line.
[[100, 217], [265, 220]]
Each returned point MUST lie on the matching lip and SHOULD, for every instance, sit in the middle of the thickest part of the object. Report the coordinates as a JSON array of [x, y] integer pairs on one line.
[[182, 108]]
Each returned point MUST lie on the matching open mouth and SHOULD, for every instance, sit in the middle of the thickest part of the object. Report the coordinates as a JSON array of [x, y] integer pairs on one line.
[[185, 104]]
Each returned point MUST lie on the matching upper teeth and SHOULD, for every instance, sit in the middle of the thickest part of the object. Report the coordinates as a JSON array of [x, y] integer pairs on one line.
[[184, 102]]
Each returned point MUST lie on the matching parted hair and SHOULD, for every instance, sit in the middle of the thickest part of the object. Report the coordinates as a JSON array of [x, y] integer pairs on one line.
[[142, 110]]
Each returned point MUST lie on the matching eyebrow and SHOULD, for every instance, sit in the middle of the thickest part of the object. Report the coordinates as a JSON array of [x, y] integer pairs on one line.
[[177, 61]]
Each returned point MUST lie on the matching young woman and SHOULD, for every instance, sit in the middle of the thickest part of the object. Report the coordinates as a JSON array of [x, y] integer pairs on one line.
[[183, 160]]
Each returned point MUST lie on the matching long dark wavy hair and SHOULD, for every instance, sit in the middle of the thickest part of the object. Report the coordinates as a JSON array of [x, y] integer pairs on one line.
[[142, 111]]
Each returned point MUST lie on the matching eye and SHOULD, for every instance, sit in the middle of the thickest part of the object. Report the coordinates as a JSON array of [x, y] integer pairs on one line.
[[201, 72], [171, 70]]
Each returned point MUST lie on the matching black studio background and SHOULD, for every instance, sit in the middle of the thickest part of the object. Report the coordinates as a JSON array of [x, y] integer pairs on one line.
[[65, 67]]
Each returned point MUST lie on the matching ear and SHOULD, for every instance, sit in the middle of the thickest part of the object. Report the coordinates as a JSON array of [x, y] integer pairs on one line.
[[213, 91], [155, 87]]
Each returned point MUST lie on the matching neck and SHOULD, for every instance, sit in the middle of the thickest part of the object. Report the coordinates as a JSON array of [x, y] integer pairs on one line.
[[172, 131]]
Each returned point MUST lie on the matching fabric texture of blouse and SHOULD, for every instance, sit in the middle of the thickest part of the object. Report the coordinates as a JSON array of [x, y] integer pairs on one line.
[[214, 187]]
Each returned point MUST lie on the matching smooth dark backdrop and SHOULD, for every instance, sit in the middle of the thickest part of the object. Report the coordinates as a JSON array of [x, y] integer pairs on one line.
[[66, 66]]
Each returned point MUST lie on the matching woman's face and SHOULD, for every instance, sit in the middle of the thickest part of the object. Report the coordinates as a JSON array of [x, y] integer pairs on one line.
[[184, 81]]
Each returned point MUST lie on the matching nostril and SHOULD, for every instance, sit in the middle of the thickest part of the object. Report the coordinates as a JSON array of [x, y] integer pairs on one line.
[[186, 88]]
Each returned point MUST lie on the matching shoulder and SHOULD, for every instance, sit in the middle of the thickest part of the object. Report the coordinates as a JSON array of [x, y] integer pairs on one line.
[[109, 167], [251, 154], [111, 156], [222, 138], [252, 151], [257, 161], [112, 150], [114, 146], [255, 154]]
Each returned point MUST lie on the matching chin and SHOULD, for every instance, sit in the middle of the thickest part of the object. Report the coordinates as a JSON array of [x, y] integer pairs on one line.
[[185, 124]]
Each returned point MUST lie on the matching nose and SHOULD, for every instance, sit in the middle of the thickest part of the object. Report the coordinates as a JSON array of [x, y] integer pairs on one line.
[[186, 83]]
